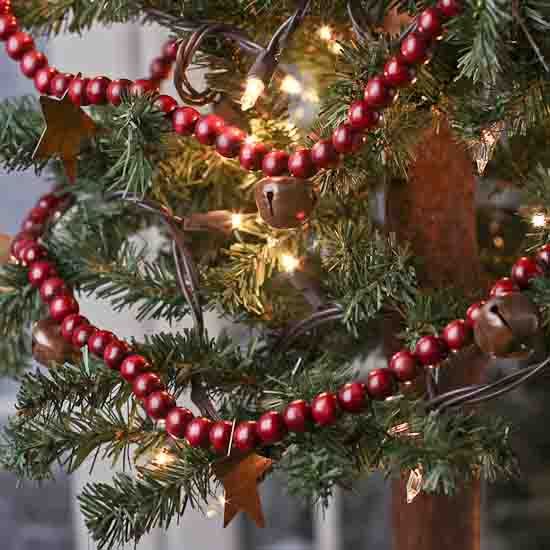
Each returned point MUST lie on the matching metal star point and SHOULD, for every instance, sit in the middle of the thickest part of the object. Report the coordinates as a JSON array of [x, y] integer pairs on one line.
[[66, 126], [240, 477]]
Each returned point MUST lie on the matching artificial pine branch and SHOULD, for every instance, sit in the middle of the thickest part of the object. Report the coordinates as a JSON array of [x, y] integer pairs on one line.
[[22, 125]]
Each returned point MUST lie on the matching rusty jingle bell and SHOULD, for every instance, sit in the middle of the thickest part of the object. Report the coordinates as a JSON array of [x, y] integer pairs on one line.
[[508, 326], [285, 202], [48, 345]]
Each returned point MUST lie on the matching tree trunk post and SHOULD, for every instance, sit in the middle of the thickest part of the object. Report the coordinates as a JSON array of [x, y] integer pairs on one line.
[[435, 212]]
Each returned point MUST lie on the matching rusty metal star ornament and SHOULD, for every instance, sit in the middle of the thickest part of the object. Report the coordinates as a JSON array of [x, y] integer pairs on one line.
[[66, 126], [240, 477]]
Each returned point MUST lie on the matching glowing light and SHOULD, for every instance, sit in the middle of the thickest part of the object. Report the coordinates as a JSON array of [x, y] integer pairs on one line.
[[291, 85], [236, 220], [215, 507], [251, 140], [162, 458], [254, 89], [290, 263], [325, 33], [538, 220], [335, 48], [211, 512]]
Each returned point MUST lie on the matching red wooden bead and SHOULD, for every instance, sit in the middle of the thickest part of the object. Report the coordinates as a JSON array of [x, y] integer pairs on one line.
[[39, 272], [116, 90], [542, 257], [297, 416], [184, 120], [449, 8], [177, 420], [275, 163], [428, 23], [96, 90], [524, 270], [115, 352], [62, 306], [8, 26], [352, 397], [53, 287], [141, 86], [18, 45], [133, 366], [220, 436], [32, 253], [457, 334], [361, 116], [98, 341], [70, 324], [252, 155], [346, 140], [159, 68], [19, 243], [378, 94], [207, 128], [81, 334], [60, 84], [430, 350], [380, 383], [324, 409], [48, 202], [397, 73], [229, 141], [159, 404], [245, 437], [170, 50], [271, 428], [31, 62], [197, 432], [300, 164], [473, 313], [503, 286], [324, 155], [145, 384], [31, 226], [414, 49], [404, 366], [38, 214], [43, 78], [166, 104], [77, 91]]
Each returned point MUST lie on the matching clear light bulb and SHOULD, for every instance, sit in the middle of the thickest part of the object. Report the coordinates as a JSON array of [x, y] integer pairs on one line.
[[538, 220], [236, 220], [291, 85], [325, 33], [290, 263], [253, 90]]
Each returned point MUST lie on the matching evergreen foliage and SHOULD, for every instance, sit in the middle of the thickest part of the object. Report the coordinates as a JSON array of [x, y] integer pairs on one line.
[[491, 72]]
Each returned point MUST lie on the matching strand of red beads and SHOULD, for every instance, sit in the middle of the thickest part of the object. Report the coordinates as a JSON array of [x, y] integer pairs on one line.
[[298, 416], [272, 426], [82, 90], [229, 141]]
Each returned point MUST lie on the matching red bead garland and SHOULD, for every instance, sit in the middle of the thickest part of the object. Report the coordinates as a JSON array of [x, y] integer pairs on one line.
[[272, 426], [363, 115]]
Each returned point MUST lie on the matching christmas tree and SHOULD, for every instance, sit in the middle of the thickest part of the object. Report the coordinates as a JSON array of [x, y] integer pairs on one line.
[[319, 190]]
